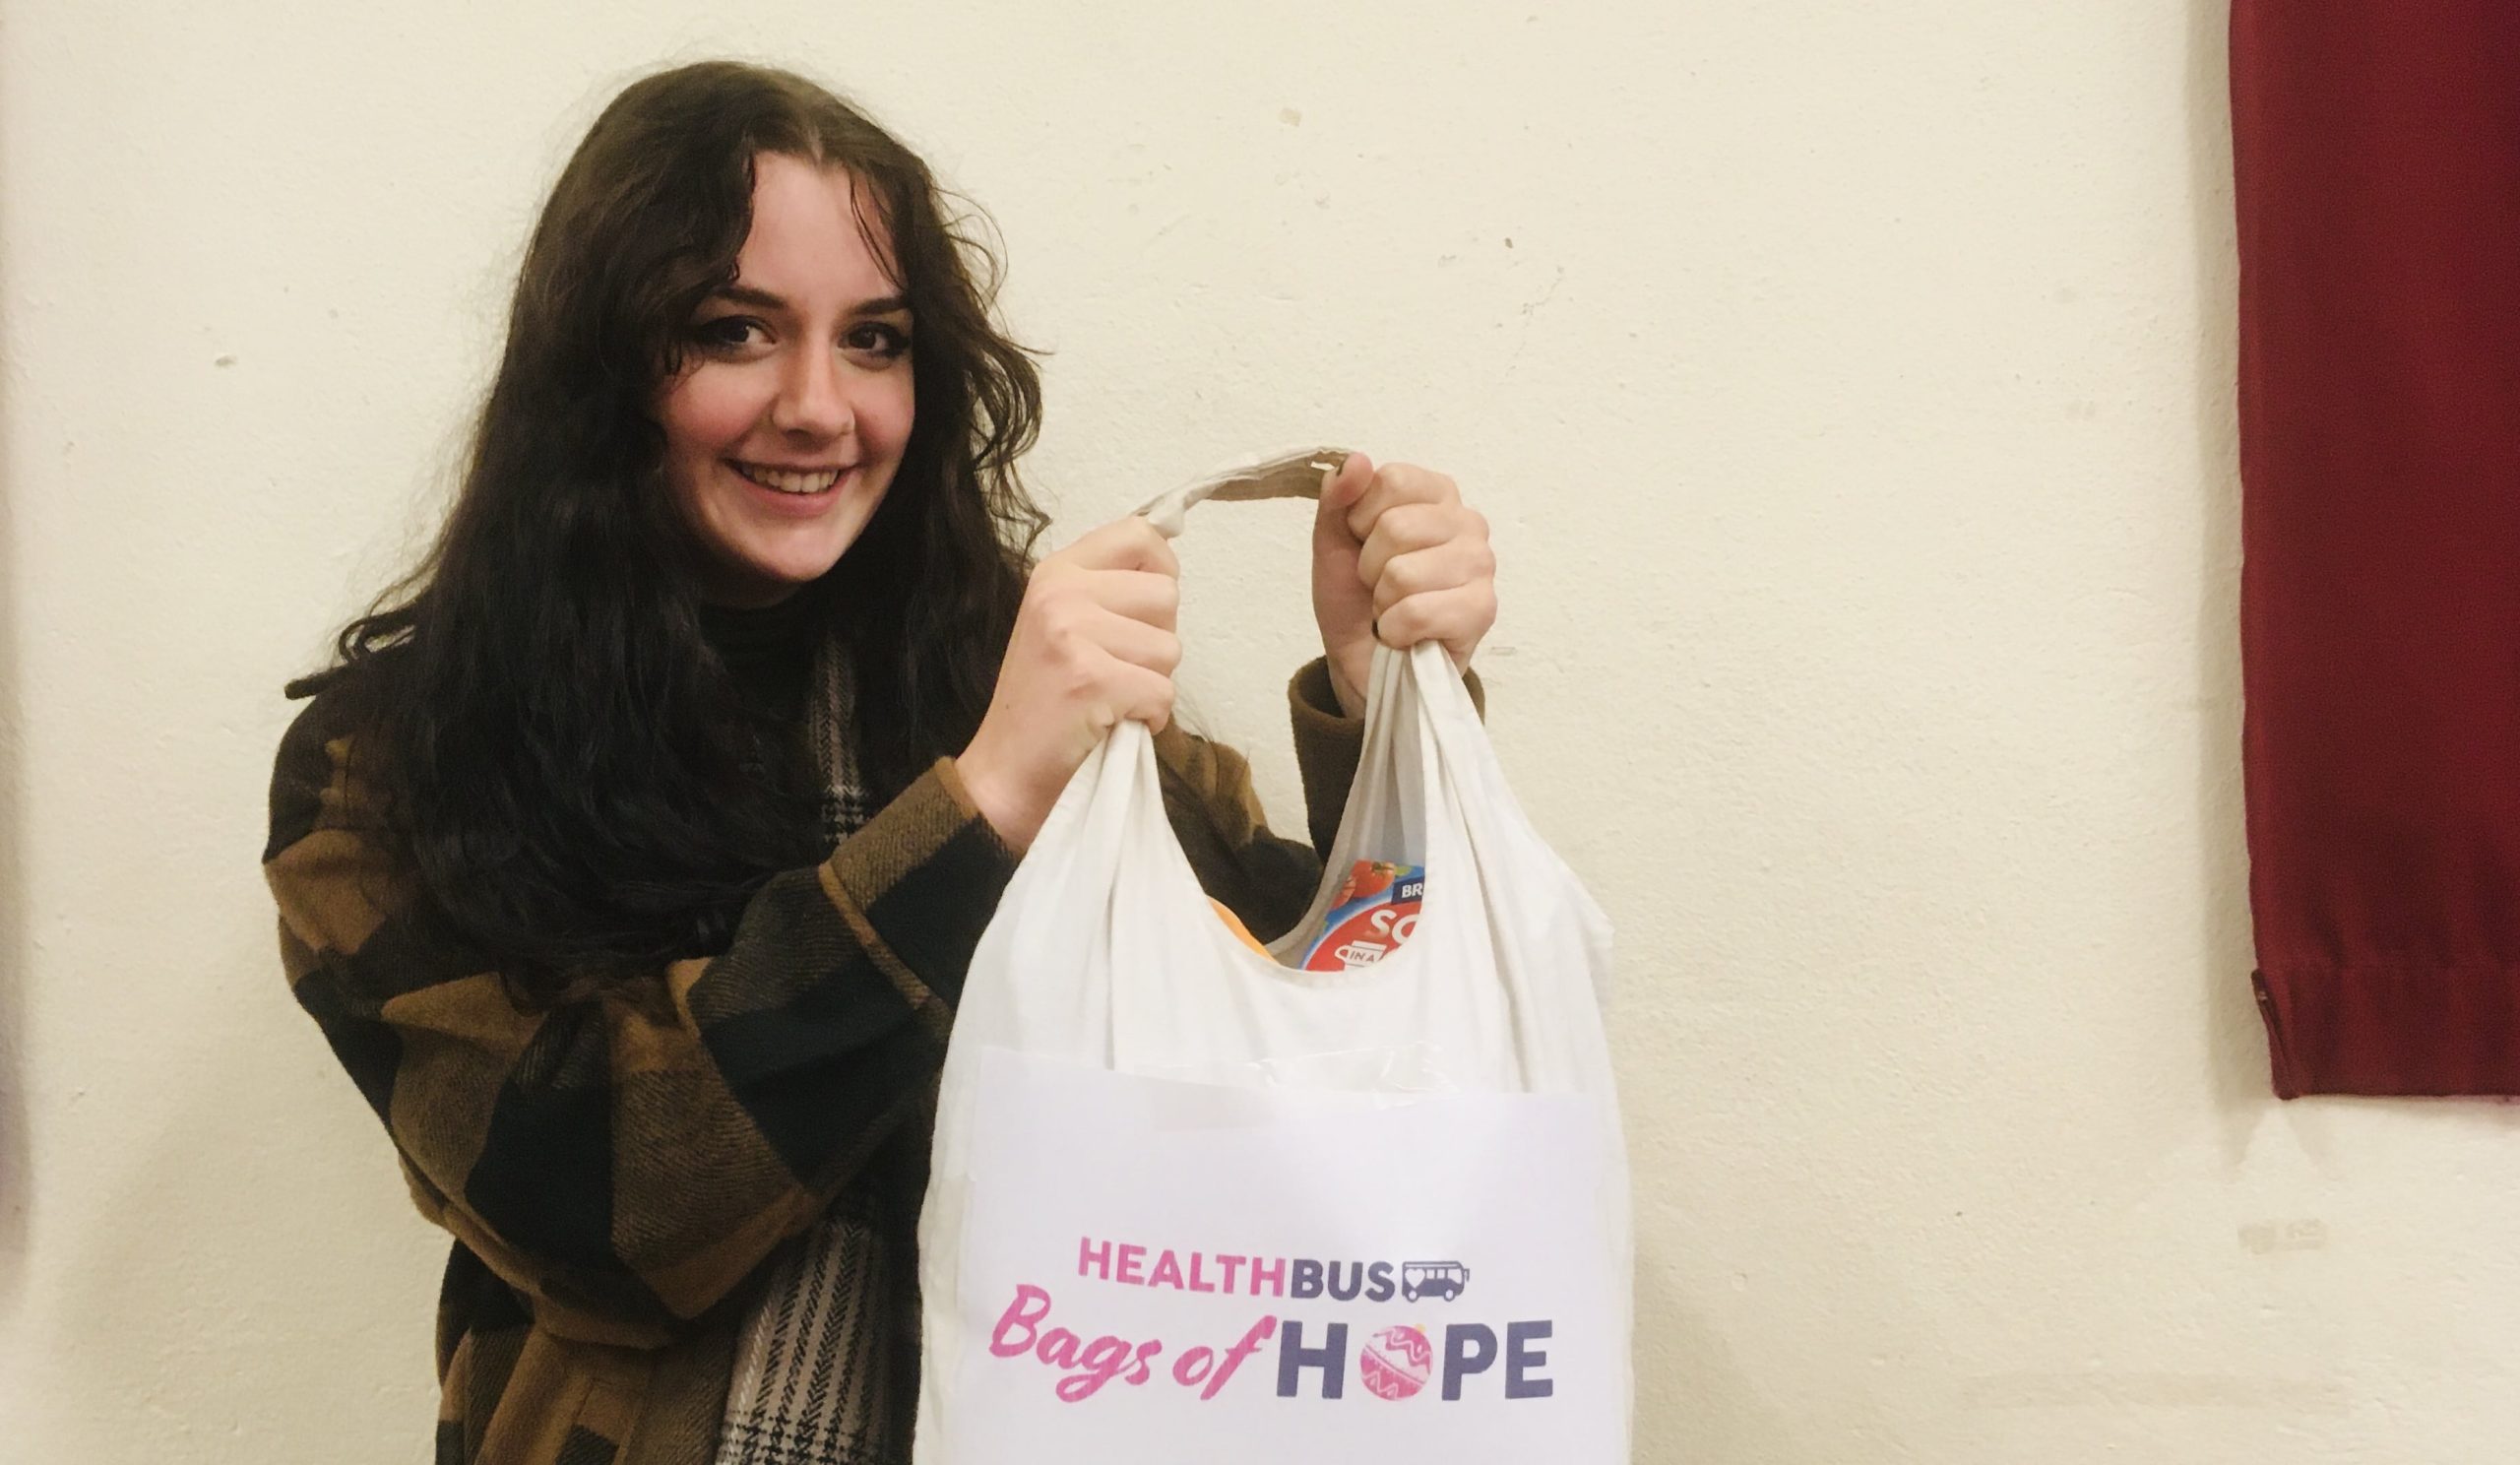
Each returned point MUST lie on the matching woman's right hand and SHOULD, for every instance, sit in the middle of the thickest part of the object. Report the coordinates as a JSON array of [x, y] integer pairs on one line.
[[1094, 643]]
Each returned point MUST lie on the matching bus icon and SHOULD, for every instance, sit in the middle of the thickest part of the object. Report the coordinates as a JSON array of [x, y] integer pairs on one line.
[[1433, 1279]]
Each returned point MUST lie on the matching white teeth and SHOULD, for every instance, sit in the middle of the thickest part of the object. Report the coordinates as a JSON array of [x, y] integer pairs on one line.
[[783, 481]]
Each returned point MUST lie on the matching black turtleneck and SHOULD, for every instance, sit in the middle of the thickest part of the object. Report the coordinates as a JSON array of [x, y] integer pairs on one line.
[[769, 651]]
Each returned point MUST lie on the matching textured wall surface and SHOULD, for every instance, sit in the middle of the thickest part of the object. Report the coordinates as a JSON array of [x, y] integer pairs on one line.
[[1848, 387]]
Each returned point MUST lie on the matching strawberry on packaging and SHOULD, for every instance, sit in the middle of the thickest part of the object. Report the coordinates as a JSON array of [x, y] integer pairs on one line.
[[1376, 910]]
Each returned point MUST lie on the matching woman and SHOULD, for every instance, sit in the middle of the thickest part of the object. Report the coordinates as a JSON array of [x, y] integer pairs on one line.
[[631, 855]]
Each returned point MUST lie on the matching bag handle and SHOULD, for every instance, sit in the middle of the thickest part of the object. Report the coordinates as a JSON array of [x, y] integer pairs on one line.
[[1295, 474], [1300, 474], [1395, 748]]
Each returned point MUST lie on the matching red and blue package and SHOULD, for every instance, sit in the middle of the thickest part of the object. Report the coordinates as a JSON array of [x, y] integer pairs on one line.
[[1376, 910]]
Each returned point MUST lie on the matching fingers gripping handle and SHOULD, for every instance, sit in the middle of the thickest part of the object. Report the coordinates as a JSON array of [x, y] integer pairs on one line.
[[1294, 475]]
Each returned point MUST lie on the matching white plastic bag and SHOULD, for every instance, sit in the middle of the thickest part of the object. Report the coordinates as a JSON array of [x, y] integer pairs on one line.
[[1188, 1203]]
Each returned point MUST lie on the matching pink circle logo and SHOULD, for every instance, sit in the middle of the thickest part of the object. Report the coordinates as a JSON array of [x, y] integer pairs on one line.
[[1397, 1361]]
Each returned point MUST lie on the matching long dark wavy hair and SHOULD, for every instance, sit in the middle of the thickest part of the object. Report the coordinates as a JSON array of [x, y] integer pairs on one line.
[[560, 751]]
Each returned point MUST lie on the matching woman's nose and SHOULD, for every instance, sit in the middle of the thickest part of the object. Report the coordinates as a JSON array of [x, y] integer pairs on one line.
[[813, 399]]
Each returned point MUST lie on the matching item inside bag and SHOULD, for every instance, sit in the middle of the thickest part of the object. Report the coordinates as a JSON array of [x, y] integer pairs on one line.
[[1233, 923], [1376, 910]]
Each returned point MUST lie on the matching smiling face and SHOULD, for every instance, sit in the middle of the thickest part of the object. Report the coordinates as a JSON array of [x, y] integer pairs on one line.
[[786, 423]]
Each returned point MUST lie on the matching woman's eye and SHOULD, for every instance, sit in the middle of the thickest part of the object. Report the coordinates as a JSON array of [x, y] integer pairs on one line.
[[877, 338], [726, 331]]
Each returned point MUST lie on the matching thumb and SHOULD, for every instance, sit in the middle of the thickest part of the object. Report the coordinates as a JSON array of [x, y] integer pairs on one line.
[[1341, 487]]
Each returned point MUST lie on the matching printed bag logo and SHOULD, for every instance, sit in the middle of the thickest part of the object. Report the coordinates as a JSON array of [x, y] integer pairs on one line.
[[1433, 1279], [1314, 1355], [1397, 1361]]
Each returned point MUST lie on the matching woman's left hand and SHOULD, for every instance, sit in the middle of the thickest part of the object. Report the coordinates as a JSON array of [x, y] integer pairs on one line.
[[1397, 555]]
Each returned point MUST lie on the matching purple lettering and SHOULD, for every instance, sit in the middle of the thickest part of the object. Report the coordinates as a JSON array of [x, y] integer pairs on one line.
[[1469, 1348], [1305, 1285], [1331, 1357], [1521, 1357]]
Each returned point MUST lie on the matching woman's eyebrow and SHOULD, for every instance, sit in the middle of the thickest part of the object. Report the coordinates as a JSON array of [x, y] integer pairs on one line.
[[745, 295], [762, 300]]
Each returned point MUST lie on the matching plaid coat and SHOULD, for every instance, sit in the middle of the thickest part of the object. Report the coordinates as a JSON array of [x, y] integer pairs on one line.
[[617, 1171]]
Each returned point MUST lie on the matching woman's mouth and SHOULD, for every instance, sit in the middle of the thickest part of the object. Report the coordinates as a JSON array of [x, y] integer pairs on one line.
[[792, 481]]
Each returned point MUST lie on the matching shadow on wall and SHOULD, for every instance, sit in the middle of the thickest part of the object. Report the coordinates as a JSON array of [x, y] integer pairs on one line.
[[16, 1172], [2235, 1036]]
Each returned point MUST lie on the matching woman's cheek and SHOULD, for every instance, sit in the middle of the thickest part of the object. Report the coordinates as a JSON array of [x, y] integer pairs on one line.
[[719, 406], [899, 410]]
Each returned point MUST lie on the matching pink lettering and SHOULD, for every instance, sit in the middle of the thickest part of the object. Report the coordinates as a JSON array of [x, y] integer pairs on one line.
[[1232, 1264], [1196, 1285], [1130, 1256], [1272, 1274], [1094, 1365], [1102, 1361], [1058, 1347], [1260, 1334], [1026, 1312], [1166, 1265], [1192, 1366], [1092, 1260]]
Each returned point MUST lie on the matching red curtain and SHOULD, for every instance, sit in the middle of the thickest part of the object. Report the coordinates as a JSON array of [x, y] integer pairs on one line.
[[2377, 150]]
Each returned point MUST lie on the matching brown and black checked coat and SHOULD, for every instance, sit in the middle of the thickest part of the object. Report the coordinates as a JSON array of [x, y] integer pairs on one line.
[[614, 1169]]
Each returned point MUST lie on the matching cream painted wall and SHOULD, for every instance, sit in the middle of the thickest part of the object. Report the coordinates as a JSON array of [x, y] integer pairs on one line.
[[1848, 384]]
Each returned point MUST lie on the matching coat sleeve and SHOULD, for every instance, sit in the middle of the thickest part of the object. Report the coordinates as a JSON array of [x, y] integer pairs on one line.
[[626, 1159]]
